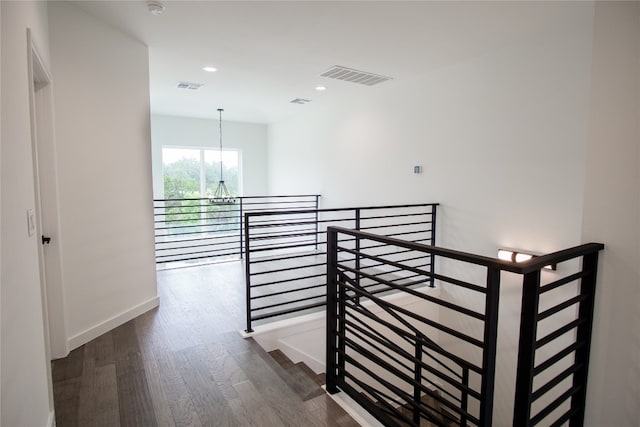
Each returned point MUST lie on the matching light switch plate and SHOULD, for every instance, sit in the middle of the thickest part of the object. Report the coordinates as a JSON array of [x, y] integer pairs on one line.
[[417, 169], [31, 222]]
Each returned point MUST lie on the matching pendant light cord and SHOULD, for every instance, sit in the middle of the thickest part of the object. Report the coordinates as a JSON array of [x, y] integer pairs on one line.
[[220, 110]]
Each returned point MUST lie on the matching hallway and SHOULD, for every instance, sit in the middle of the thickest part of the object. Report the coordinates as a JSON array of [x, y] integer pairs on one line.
[[185, 364]]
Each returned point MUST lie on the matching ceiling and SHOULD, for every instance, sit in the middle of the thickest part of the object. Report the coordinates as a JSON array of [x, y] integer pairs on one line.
[[268, 53]]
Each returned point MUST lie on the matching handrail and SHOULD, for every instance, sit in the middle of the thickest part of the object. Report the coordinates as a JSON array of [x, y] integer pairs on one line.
[[354, 351]]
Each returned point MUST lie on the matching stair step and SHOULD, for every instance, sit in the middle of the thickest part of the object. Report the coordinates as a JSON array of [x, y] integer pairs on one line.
[[298, 376]]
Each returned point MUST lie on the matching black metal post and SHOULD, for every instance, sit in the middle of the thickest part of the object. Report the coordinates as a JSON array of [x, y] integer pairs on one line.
[[247, 271], [358, 257], [526, 349], [490, 344], [332, 315], [317, 229], [432, 263], [583, 335], [241, 230], [464, 400], [417, 392]]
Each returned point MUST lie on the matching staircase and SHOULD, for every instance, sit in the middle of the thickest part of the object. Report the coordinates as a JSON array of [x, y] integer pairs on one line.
[[306, 383]]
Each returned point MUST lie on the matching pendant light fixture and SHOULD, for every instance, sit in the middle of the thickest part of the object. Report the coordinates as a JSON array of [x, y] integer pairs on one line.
[[222, 195]]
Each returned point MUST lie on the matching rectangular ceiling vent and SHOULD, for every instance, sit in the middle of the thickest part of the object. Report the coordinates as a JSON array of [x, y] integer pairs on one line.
[[354, 76], [300, 101], [189, 86]]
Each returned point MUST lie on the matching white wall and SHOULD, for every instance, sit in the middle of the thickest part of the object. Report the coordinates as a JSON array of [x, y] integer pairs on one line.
[[250, 138], [501, 137], [101, 83], [612, 214], [25, 383]]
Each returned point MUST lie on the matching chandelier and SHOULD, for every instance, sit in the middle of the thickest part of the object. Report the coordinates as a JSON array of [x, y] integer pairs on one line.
[[222, 196]]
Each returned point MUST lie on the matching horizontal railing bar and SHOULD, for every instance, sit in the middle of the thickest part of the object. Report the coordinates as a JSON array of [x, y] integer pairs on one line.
[[287, 311], [192, 233], [269, 236], [273, 224], [400, 224], [557, 357], [366, 208], [429, 322], [404, 333], [256, 222], [207, 218], [225, 242], [568, 303], [386, 342], [279, 270], [293, 301], [168, 242], [367, 218], [263, 248], [396, 390], [289, 292], [195, 258], [553, 285], [390, 345], [559, 332], [555, 381], [180, 254], [440, 277], [565, 417], [277, 282], [555, 404], [429, 298], [287, 257], [196, 225]]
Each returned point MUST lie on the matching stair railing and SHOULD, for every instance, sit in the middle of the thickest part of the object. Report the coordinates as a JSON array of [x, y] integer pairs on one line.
[[391, 376]]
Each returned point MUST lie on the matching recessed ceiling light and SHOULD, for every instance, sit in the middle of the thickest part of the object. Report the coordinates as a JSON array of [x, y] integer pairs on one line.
[[321, 88], [209, 69]]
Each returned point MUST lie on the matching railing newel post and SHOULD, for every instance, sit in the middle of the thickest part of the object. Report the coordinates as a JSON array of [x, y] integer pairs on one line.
[[583, 334], [332, 315], [526, 349], [432, 262], [247, 271], [241, 222], [490, 346], [417, 376]]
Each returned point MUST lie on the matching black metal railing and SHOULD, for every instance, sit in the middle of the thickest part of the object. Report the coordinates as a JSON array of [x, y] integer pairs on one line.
[[202, 229], [285, 257], [438, 362]]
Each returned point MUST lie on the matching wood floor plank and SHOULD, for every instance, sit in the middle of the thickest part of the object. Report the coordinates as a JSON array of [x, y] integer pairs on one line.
[[209, 401], [86, 410], [180, 404], [134, 400], [104, 351], [66, 400], [107, 410], [68, 367]]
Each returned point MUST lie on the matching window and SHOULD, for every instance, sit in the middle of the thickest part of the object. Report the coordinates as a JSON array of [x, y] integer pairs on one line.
[[195, 172]]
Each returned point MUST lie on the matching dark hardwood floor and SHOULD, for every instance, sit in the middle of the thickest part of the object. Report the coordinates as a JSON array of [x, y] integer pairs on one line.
[[185, 364]]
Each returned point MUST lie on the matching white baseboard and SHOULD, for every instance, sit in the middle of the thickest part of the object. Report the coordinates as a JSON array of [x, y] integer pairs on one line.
[[355, 411], [112, 323], [51, 422]]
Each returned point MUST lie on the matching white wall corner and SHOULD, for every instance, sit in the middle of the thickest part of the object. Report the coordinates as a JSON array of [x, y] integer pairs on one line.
[[112, 323]]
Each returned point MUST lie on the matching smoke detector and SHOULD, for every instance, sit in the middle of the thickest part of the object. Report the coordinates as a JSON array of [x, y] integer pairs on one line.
[[155, 7]]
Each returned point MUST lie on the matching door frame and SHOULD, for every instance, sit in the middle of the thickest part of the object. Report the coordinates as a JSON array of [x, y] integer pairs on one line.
[[46, 201]]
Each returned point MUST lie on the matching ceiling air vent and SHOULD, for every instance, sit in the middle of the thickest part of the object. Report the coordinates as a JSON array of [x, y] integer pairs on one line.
[[355, 76], [190, 86], [300, 101]]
